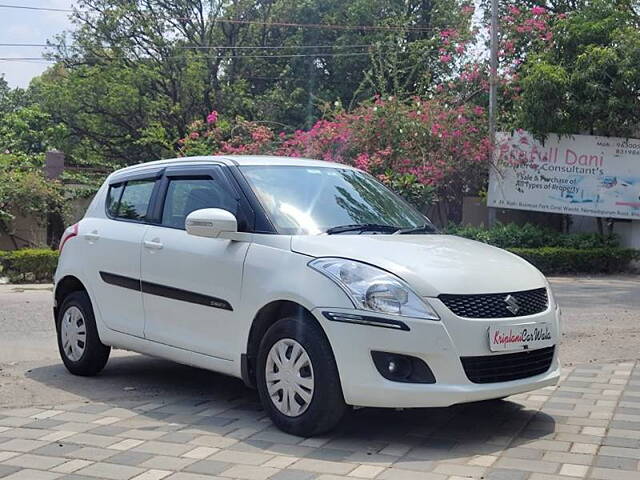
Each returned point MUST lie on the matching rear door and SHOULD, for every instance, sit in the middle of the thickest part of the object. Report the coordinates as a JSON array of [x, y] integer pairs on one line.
[[191, 285], [113, 246]]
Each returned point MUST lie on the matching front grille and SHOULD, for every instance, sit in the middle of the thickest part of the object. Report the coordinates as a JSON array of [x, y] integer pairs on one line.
[[507, 367], [497, 305]]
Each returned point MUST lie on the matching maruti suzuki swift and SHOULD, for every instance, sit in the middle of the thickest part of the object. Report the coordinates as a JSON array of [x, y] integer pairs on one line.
[[309, 280]]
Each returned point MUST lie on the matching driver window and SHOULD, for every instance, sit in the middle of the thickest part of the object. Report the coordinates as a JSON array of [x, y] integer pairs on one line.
[[184, 195]]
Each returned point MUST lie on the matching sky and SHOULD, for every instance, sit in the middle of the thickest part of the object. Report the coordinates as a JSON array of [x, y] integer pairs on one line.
[[29, 26]]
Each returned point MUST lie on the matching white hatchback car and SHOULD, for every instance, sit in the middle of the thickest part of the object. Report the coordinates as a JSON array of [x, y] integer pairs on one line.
[[309, 280]]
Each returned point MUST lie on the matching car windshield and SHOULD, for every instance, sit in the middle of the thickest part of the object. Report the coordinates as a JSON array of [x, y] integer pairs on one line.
[[304, 200]]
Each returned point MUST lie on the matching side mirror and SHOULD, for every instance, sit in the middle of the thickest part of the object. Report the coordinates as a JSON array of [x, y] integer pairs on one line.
[[210, 222]]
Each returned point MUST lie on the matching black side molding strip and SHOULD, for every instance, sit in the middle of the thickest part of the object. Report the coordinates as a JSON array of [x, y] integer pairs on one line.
[[165, 291], [184, 295], [121, 281]]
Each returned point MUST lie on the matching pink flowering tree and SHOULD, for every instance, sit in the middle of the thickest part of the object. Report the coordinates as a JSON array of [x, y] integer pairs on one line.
[[524, 31], [223, 136], [426, 149]]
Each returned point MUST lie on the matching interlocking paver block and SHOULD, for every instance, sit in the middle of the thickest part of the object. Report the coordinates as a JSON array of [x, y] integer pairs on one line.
[[400, 474], [249, 472], [366, 471], [245, 458], [22, 445], [6, 455], [163, 462], [574, 470], [152, 475], [468, 471], [209, 467], [189, 476], [587, 448], [616, 462], [620, 452], [562, 457], [280, 461], [29, 474], [7, 470], [506, 474], [56, 436], [92, 453], [71, 466], [110, 471], [126, 444], [291, 474], [611, 474], [324, 466], [39, 462], [163, 448], [129, 458], [528, 465], [200, 453]]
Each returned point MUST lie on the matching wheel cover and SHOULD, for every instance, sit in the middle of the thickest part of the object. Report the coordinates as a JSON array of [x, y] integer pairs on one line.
[[73, 333], [289, 377]]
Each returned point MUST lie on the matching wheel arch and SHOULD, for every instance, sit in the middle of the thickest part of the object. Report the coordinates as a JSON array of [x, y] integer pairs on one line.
[[64, 287], [262, 320]]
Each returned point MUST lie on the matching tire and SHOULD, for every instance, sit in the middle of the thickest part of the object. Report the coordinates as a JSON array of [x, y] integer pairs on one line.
[[82, 353], [326, 407]]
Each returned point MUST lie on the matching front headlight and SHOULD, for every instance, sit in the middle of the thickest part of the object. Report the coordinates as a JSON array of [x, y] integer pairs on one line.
[[373, 289]]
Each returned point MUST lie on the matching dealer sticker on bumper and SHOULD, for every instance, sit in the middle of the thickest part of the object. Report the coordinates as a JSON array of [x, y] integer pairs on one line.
[[519, 337]]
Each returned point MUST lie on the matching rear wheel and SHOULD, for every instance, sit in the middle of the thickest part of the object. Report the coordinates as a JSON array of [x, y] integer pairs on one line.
[[298, 379], [80, 347]]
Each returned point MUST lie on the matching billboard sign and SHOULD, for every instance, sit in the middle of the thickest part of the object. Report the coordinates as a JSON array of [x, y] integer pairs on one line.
[[577, 175]]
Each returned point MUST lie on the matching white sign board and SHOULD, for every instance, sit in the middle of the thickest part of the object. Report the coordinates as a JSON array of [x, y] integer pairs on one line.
[[577, 175]]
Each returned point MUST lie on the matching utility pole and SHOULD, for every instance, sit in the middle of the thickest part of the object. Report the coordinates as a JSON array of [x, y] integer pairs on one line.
[[493, 89]]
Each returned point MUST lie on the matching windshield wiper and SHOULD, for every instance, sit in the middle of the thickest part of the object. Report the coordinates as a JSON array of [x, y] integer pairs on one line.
[[362, 227], [422, 228]]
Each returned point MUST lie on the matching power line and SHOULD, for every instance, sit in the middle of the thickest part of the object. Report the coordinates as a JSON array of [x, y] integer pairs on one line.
[[23, 45], [326, 26], [294, 55], [45, 9], [214, 47]]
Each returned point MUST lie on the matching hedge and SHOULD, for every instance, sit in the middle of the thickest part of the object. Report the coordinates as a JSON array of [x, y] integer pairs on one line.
[[511, 235], [553, 260], [554, 252], [28, 265]]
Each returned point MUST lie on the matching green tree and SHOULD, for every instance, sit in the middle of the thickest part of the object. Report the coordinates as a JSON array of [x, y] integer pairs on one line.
[[135, 74], [24, 191], [589, 81]]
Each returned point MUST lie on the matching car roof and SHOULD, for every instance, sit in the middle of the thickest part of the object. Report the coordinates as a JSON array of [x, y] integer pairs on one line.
[[231, 160]]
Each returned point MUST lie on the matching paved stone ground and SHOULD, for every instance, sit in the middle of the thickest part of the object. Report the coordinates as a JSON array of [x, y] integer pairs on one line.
[[586, 427]]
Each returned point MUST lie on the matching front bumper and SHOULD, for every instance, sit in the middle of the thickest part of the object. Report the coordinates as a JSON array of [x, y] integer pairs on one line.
[[440, 344]]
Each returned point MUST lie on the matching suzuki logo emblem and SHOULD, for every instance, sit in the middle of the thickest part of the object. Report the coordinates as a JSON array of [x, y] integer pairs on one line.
[[512, 304]]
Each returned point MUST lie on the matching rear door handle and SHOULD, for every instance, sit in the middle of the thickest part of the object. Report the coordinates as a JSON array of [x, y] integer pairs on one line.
[[92, 237], [153, 244]]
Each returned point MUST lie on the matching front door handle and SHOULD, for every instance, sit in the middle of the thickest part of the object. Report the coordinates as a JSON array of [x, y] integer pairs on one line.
[[153, 244]]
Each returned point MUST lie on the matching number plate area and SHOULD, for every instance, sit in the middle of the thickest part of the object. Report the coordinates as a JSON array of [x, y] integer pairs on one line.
[[523, 336]]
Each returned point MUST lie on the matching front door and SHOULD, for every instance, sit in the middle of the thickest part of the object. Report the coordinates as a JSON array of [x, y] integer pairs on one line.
[[191, 285]]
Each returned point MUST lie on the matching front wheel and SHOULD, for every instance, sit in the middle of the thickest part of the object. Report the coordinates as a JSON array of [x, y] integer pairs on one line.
[[80, 347], [298, 379]]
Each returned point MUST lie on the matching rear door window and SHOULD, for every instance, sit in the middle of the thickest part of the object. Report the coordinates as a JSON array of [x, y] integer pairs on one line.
[[134, 200]]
